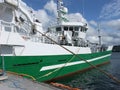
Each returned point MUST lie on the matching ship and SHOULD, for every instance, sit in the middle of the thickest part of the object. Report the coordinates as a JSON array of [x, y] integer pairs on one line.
[[43, 55]]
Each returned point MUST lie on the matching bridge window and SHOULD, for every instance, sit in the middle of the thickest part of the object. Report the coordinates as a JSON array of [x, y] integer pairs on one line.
[[58, 29], [66, 28], [7, 15], [83, 29], [76, 28], [71, 28], [8, 29]]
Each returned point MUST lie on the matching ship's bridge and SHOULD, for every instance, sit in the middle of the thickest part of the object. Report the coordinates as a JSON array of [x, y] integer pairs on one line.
[[73, 29], [70, 31]]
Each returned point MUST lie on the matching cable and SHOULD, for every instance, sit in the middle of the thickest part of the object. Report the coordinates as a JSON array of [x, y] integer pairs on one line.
[[56, 69], [107, 74], [83, 8], [22, 74]]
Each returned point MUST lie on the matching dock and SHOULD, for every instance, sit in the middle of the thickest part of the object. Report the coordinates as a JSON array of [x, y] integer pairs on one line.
[[19, 83]]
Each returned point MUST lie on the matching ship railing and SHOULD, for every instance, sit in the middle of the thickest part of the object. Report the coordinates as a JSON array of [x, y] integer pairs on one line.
[[6, 27], [36, 38], [14, 28], [24, 33], [41, 39], [4, 24]]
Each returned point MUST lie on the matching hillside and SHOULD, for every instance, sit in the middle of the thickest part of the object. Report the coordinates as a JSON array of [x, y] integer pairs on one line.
[[116, 49]]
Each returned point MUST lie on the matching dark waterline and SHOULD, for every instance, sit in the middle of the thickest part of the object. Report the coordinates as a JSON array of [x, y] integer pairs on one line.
[[95, 80]]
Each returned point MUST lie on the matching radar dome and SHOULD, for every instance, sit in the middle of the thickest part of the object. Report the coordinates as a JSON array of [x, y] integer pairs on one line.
[[65, 10]]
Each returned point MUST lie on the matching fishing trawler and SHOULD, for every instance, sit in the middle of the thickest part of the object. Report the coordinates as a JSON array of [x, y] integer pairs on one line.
[[30, 51]]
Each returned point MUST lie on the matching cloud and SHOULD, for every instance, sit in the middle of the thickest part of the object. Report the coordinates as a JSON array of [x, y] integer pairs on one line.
[[42, 16], [112, 24], [51, 6], [111, 10], [111, 38], [76, 17], [109, 30], [49, 13], [93, 23], [111, 27]]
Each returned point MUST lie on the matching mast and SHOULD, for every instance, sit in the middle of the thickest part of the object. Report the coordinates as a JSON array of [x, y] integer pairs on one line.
[[62, 12], [99, 35]]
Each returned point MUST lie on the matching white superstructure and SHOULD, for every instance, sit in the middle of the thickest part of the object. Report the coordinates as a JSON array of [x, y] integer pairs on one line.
[[19, 36]]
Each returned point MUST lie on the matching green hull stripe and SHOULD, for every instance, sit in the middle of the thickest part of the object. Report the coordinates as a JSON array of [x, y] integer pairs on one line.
[[40, 68], [71, 63]]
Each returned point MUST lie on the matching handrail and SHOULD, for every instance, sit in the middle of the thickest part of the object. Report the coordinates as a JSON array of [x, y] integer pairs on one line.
[[4, 22], [7, 24]]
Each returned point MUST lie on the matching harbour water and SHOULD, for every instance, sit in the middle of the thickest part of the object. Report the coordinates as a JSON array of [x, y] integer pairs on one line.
[[95, 80]]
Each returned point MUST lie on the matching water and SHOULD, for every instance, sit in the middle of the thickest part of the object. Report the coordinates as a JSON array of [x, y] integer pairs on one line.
[[95, 80]]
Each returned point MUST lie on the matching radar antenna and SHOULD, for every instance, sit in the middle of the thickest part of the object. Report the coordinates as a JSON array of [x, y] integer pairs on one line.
[[99, 34]]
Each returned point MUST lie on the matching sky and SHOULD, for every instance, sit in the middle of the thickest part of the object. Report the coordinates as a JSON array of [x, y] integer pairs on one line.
[[105, 13]]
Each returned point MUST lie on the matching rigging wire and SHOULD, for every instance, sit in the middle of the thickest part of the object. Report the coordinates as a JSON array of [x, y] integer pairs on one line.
[[83, 8], [106, 73]]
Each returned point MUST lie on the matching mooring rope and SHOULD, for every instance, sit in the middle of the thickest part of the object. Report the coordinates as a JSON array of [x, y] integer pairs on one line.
[[56, 69], [22, 74], [59, 67], [106, 73]]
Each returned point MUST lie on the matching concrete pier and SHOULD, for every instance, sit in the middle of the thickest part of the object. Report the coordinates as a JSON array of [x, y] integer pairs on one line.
[[19, 83]]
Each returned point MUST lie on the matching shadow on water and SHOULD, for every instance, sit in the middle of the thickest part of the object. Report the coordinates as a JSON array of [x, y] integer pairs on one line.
[[95, 80]]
